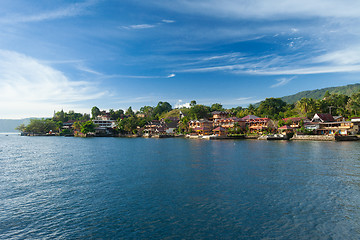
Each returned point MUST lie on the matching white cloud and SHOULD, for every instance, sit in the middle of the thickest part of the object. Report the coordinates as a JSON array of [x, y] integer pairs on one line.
[[181, 104], [282, 82], [168, 21], [71, 10], [245, 101], [171, 75], [139, 26], [350, 55], [30, 88], [265, 9]]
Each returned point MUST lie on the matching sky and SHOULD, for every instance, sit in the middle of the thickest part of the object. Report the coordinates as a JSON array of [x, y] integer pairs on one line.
[[74, 55]]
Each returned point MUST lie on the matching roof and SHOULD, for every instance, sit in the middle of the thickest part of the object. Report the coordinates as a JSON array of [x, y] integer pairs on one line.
[[294, 119], [326, 117], [219, 112], [234, 119], [221, 129], [248, 117], [285, 127], [257, 127]]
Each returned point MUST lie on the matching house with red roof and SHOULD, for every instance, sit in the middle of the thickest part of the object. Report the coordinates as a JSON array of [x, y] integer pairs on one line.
[[231, 122], [201, 127]]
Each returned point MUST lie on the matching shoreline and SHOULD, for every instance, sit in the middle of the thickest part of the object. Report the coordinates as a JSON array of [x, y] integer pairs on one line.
[[212, 137]]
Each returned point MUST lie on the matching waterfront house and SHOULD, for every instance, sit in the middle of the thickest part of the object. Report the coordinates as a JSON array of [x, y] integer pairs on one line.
[[260, 125], [322, 117], [217, 116], [220, 131], [285, 129], [201, 127], [171, 124], [155, 127], [295, 121], [326, 124], [231, 122], [249, 117]]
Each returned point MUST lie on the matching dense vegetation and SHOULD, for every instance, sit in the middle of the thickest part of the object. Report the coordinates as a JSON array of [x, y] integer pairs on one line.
[[319, 93]]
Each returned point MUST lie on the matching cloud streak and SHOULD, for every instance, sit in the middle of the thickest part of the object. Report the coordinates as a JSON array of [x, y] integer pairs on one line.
[[72, 10], [27, 85], [282, 82]]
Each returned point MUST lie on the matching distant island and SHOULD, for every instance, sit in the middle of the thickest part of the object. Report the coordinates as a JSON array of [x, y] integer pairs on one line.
[[331, 114]]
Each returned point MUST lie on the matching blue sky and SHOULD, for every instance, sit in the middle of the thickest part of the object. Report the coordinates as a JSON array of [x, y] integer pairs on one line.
[[73, 55]]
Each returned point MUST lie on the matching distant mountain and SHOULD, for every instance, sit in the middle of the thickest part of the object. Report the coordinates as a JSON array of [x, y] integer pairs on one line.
[[319, 93], [9, 125]]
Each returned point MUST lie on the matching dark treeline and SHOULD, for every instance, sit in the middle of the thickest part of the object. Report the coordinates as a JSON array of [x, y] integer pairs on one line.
[[129, 121]]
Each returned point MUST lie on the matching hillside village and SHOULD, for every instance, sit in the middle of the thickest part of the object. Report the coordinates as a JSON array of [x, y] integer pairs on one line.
[[333, 115]]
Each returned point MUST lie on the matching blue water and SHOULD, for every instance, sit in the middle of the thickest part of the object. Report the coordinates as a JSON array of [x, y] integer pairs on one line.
[[116, 188]]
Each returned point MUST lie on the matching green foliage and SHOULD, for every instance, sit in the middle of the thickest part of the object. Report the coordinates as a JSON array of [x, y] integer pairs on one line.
[[95, 111], [87, 127], [130, 112], [115, 115], [271, 107], [192, 103], [62, 116], [216, 107], [319, 93], [161, 108], [40, 126], [21, 127], [199, 112]]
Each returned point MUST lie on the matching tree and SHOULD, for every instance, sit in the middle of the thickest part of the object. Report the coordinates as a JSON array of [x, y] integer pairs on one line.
[[353, 104], [41, 126], [192, 103], [87, 127], [129, 112], [199, 111], [21, 127], [271, 107], [95, 111], [161, 108], [216, 107]]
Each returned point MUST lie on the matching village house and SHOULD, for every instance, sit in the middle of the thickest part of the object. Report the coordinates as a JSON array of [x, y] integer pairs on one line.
[[326, 124], [155, 127], [258, 125], [217, 116], [104, 126], [201, 127], [295, 121], [220, 131], [231, 122]]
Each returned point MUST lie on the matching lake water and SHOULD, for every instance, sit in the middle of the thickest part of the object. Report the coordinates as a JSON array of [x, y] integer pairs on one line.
[[117, 188]]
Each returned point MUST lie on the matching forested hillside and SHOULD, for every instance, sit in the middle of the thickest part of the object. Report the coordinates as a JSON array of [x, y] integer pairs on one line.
[[347, 90]]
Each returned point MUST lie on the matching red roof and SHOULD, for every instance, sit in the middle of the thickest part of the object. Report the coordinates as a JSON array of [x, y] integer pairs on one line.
[[326, 117], [221, 129], [248, 117], [257, 127], [285, 127], [294, 119]]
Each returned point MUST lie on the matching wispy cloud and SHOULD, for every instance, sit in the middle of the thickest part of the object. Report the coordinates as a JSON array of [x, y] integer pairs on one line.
[[282, 82], [146, 25], [71, 10], [261, 9], [28, 85], [139, 26], [167, 21], [245, 100]]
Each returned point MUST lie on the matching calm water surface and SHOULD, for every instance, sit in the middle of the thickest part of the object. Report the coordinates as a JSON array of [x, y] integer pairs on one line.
[[114, 188]]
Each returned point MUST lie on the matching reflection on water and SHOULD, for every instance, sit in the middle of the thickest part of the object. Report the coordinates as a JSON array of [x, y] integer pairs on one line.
[[54, 187]]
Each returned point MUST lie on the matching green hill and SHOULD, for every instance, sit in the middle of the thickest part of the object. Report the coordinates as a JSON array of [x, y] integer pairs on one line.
[[319, 93]]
